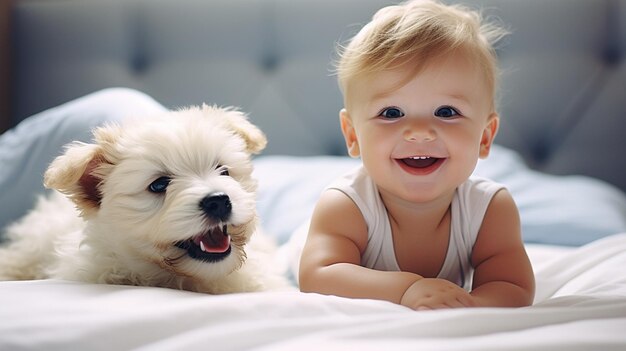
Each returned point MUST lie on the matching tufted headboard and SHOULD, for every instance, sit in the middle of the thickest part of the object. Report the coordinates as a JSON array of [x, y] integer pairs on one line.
[[563, 83]]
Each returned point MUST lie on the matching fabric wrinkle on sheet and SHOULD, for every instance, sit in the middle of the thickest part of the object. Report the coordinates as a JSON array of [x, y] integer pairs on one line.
[[468, 209]]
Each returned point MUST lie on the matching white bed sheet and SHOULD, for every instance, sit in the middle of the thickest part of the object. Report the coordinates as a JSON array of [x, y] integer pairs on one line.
[[580, 305]]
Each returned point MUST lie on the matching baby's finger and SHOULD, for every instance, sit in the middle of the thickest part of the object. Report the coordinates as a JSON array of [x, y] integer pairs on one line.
[[439, 306], [456, 303], [467, 301]]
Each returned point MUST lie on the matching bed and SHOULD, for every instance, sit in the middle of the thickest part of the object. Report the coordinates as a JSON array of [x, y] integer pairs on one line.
[[559, 152], [580, 302], [581, 305]]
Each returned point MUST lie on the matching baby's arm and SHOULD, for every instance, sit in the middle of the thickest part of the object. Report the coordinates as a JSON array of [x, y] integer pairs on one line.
[[331, 263], [503, 275], [331, 258]]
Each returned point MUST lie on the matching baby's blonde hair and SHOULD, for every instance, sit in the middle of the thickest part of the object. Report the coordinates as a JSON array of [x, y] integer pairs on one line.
[[420, 31]]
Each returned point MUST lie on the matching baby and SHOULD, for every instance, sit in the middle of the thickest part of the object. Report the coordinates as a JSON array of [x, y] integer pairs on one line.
[[412, 225]]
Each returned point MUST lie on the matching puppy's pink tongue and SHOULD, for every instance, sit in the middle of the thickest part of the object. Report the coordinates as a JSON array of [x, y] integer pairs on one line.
[[214, 241]]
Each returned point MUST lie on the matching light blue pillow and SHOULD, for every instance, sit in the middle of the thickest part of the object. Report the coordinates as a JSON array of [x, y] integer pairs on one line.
[[289, 187], [557, 210]]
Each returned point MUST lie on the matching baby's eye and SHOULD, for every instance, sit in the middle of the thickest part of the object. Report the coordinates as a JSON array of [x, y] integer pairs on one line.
[[391, 113], [446, 112], [159, 185]]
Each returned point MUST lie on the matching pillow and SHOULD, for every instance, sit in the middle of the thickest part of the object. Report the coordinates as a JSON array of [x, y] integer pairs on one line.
[[289, 187], [556, 210]]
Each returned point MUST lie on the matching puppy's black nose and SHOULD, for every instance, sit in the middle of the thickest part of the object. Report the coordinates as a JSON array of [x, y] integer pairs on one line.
[[217, 206]]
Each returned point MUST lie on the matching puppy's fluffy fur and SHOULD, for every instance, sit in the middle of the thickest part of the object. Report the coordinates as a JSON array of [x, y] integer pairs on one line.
[[166, 200]]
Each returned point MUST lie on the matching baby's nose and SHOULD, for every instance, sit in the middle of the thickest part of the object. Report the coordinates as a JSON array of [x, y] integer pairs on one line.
[[419, 132]]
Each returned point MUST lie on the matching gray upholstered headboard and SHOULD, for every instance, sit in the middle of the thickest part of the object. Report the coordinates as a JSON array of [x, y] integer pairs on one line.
[[563, 96]]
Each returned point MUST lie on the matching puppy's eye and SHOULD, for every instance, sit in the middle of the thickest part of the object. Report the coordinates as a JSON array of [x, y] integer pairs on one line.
[[159, 185], [223, 170]]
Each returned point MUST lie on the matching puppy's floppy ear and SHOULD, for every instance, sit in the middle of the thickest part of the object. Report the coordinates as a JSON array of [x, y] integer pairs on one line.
[[238, 122], [78, 172]]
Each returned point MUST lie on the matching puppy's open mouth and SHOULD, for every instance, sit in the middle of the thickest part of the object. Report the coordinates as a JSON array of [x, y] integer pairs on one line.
[[210, 246]]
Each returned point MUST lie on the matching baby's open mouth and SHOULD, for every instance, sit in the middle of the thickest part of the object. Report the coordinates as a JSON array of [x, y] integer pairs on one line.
[[210, 246], [420, 161], [420, 165]]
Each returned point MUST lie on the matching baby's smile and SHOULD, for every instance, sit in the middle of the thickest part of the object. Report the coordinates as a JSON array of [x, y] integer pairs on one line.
[[420, 165]]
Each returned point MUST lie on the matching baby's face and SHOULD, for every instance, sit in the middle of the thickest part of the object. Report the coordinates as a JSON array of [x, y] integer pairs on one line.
[[422, 139]]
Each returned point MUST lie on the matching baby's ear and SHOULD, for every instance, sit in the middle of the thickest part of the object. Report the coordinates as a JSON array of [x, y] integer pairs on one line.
[[349, 134], [238, 122], [489, 133], [78, 172]]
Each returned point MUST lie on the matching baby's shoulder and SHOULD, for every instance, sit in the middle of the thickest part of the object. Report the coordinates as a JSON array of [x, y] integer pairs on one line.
[[477, 188]]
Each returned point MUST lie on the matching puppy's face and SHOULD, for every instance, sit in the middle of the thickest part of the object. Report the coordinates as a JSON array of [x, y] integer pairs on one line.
[[173, 189]]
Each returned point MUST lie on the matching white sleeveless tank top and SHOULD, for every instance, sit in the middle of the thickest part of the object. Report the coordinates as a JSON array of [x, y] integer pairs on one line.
[[468, 209]]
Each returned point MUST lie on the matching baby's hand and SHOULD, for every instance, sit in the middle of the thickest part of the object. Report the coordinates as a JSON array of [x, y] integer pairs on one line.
[[433, 293]]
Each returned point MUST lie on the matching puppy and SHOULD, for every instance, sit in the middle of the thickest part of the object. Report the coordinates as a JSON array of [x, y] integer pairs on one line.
[[166, 200]]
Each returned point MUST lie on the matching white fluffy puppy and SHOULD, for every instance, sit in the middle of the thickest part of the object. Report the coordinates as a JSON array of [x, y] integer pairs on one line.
[[166, 200]]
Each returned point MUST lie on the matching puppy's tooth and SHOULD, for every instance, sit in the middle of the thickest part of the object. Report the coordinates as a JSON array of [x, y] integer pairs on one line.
[[202, 246]]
